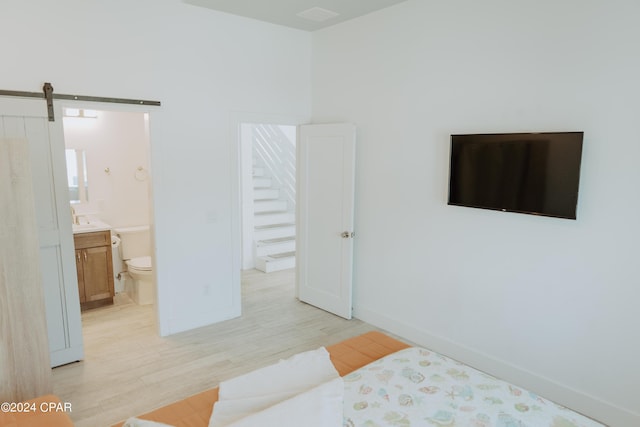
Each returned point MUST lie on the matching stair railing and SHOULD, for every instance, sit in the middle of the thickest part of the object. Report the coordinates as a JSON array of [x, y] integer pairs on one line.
[[275, 149]]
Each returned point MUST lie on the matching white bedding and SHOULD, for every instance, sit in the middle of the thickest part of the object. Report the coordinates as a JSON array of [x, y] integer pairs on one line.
[[417, 387], [319, 407], [306, 385], [412, 387]]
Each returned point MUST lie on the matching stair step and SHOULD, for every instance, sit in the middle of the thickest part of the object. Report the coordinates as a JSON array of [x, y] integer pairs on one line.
[[260, 206], [265, 194], [258, 171], [275, 247], [284, 224], [275, 240], [276, 263], [261, 182], [272, 218], [283, 255], [274, 231]]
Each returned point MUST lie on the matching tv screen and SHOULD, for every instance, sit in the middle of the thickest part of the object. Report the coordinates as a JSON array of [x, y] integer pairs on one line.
[[533, 173]]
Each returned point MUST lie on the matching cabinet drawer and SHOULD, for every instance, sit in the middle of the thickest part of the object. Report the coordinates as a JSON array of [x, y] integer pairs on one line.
[[91, 240]]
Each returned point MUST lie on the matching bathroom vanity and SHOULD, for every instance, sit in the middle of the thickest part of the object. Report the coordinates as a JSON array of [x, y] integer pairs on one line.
[[94, 265]]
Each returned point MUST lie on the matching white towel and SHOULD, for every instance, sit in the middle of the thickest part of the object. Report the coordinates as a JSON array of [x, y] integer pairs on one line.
[[263, 388]]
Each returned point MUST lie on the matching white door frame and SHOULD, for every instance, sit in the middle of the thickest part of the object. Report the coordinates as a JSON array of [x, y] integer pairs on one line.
[[247, 138], [246, 195], [161, 310], [236, 119]]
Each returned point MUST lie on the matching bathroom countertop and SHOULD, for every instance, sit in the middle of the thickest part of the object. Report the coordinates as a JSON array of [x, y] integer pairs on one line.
[[92, 226]]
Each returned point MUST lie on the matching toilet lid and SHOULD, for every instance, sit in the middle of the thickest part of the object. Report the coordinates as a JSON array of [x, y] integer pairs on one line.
[[141, 263]]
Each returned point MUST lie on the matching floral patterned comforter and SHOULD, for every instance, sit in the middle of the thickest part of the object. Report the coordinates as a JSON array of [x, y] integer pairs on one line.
[[417, 387]]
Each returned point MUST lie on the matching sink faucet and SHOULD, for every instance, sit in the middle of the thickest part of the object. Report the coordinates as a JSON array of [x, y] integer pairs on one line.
[[74, 217]]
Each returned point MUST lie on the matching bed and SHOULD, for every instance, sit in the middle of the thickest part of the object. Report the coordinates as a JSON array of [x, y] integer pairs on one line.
[[385, 382], [347, 356]]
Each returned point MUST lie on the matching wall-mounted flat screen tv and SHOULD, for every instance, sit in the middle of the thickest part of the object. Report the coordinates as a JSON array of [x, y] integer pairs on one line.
[[532, 173]]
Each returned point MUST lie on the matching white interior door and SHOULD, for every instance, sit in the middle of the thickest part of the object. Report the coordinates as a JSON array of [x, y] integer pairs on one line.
[[326, 175], [27, 119]]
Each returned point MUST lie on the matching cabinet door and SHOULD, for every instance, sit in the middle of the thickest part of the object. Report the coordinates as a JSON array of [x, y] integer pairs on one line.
[[97, 269], [80, 271]]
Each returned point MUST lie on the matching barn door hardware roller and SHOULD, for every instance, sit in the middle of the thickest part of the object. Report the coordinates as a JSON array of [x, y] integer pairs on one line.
[[48, 95]]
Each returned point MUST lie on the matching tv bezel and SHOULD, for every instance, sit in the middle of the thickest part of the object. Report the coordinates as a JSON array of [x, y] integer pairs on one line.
[[517, 135]]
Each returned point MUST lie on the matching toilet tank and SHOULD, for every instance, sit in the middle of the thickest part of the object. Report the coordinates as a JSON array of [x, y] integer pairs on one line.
[[134, 241]]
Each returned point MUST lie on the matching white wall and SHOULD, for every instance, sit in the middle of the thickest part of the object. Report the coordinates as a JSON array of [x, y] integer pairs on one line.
[[117, 142], [544, 302], [206, 68]]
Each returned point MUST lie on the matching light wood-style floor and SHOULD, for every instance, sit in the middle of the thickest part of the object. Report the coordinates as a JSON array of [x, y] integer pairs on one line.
[[129, 370]]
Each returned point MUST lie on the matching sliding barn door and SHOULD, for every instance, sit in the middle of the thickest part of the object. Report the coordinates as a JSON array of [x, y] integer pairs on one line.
[[26, 120], [24, 354], [326, 175]]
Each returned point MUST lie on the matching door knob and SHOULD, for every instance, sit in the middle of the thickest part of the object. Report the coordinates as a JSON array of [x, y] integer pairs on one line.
[[346, 234]]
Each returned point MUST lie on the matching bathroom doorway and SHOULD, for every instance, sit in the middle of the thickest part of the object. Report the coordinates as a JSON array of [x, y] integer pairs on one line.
[[108, 173]]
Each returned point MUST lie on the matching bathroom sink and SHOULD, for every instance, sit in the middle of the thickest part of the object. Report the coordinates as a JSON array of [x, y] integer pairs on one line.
[[91, 226], [79, 227]]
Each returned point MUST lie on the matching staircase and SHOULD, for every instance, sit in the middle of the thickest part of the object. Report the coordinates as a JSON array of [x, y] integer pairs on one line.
[[274, 226]]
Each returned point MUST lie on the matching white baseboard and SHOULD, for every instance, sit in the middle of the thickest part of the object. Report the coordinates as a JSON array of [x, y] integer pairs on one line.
[[198, 320], [578, 401]]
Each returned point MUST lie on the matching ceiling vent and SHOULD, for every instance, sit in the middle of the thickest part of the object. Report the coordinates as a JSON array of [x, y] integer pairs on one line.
[[317, 14]]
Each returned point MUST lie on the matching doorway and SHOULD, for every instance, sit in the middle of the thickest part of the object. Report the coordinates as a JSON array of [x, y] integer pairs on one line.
[[268, 195], [324, 212], [109, 182]]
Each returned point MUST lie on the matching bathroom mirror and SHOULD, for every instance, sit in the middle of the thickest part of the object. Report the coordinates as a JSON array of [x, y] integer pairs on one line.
[[77, 175]]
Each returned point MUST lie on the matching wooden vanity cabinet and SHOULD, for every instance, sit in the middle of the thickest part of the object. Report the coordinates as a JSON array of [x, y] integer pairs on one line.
[[95, 268]]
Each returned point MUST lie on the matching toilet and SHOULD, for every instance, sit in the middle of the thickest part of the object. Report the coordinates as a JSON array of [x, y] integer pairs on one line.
[[135, 251]]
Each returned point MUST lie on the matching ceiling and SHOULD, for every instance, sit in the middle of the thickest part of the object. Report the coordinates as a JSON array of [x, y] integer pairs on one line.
[[321, 13]]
